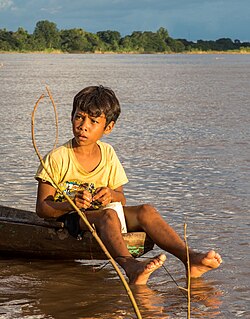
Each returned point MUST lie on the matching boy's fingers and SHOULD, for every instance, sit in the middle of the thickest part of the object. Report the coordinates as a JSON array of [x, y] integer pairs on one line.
[[99, 194], [82, 203], [102, 192], [84, 195]]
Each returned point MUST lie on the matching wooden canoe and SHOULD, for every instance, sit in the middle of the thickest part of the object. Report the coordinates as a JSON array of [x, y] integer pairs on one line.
[[24, 234]]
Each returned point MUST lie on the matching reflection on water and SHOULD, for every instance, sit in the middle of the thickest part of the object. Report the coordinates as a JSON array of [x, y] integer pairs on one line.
[[62, 290], [183, 138]]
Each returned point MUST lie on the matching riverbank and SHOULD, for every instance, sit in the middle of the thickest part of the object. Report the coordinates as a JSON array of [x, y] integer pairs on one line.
[[242, 51]]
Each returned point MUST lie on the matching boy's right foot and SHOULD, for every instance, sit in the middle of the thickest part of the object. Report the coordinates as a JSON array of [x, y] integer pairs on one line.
[[138, 272]]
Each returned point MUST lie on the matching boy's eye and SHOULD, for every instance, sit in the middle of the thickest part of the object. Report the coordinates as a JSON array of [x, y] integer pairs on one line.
[[78, 116], [94, 120], [81, 117]]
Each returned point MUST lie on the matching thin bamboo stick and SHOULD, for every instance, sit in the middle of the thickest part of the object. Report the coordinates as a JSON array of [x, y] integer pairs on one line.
[[81, 214], [188, 274], [55, 112]]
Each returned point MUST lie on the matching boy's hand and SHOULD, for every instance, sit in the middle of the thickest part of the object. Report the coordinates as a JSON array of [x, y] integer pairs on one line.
[[103, 195], [83, 199]]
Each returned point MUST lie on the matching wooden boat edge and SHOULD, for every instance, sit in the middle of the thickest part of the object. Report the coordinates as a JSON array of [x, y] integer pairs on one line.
[[50, 240]]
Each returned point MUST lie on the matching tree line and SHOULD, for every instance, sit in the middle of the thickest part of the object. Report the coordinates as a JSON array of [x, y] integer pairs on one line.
[[47, 37]]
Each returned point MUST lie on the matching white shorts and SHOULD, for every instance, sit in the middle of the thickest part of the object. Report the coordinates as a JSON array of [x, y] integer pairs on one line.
[[117, 206]]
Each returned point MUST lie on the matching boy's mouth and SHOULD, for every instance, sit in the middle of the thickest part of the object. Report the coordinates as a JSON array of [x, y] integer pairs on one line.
[[83, 136]]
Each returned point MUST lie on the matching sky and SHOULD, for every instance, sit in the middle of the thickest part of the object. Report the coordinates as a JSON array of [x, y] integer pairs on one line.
[[186, 19]]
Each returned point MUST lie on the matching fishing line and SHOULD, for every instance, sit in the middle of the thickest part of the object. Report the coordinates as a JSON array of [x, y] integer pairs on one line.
[[167, 271], [99, 268]]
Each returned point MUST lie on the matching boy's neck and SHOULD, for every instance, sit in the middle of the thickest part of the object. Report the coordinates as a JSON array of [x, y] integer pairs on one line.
[[89, 156], [84, 148]]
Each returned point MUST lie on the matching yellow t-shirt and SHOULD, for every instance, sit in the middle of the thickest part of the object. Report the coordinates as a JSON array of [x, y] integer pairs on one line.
[[68, 173]]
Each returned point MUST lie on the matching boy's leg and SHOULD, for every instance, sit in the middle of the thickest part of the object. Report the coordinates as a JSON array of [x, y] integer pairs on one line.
[[108, 226], [146, 218]]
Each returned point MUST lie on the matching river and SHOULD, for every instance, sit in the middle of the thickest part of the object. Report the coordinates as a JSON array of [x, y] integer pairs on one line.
[[184, 140]]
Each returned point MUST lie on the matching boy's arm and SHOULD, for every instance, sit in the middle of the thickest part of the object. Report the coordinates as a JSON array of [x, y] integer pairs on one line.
[[46, 207]]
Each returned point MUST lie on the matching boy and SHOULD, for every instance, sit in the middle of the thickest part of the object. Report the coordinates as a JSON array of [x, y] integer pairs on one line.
[[90, 172]]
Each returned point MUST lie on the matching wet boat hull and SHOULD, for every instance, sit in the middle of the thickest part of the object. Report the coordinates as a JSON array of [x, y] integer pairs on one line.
[[24, 234]]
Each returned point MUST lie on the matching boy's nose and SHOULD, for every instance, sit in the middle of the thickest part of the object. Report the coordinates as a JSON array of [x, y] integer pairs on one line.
[[84, 124]]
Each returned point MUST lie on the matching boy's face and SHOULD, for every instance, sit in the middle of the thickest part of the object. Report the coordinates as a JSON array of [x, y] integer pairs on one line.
[[88, 129]]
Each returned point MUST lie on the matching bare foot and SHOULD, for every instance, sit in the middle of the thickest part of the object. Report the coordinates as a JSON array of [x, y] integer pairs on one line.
[[201, 263], [138, 272], [145, 269]]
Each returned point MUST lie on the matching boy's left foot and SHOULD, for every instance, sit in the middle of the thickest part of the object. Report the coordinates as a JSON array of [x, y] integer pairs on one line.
[[201, 263]]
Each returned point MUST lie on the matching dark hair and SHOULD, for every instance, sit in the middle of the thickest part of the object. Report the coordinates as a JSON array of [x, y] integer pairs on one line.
[[95, 100]]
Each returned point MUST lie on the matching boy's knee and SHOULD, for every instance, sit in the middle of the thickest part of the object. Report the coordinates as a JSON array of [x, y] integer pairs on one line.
[[145, 212], [109, 217]]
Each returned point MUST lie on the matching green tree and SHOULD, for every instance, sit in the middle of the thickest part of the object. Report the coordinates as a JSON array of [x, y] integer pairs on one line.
[[175, 45], [133, 42], [205, 45], [187, 44], [95, 43], [22, 37], [8, 41], [76, 40], [155, 42], [46, 35], [111, 38], [163, 33], [224, 44], [146, 41]]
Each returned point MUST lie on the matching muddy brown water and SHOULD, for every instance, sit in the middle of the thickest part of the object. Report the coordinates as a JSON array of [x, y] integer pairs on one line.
[[183, 138]]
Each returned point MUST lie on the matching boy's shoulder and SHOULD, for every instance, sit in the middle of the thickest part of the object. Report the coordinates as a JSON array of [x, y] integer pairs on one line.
[[62, 149], [106, 147]]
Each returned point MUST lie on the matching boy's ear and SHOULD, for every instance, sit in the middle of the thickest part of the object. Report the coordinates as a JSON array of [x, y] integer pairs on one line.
[[109, 127]]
